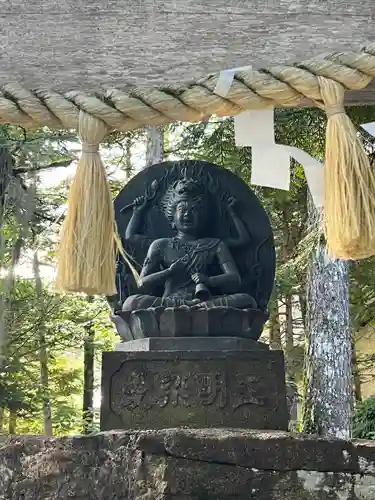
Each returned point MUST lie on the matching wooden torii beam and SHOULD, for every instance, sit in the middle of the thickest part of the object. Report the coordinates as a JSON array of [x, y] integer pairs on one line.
[[85, 46]]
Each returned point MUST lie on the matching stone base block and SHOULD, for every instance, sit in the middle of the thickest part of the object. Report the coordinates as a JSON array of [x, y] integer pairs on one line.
[[156, 390], [182, 464]]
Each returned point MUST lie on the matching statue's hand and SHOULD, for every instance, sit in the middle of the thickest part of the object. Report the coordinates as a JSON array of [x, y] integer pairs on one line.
[[179, 266], [200, 278], [139, 203]]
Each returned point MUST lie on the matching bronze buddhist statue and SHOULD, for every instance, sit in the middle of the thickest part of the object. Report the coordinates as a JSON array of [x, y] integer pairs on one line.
[[202, 242], [182, 264]]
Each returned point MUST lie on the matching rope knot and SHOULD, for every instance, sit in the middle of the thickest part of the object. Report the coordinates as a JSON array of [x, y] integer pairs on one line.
[[90, 148], [334, 109]]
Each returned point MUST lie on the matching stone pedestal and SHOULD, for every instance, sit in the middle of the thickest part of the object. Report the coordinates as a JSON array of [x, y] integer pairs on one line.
[[210, 388]]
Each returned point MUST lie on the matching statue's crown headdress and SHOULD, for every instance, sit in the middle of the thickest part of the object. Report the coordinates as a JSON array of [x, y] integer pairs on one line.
[[187, 186], [184, 189]]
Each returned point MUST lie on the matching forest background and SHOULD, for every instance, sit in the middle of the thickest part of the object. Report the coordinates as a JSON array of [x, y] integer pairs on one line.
[[51, 344]]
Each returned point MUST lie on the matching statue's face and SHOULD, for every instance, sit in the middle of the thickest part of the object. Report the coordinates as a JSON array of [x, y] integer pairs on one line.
[[187, 217]]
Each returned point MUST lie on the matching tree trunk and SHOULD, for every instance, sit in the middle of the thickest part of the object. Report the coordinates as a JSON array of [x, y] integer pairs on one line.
[[12, 429], [6, 288], [88, 380], [303, 307], [289, 340], [274, 325], [155, 145], [328, 377], [43, 355], [2, 414], [166, 144], [6, 172], [128, 158], [6, 168]]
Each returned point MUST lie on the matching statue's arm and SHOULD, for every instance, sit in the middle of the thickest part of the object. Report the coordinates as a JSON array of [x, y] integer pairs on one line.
[[133, 229], [140, 205], [230, 275], [242, 233], [151, 276]]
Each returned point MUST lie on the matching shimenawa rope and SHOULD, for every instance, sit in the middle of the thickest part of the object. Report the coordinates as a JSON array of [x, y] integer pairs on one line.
[[88, 243]]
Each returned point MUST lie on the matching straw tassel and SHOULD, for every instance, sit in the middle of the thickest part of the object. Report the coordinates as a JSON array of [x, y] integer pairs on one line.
[[87, 249], [349, 198]]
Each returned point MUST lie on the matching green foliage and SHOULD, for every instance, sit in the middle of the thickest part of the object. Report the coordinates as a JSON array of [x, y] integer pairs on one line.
[[49, 321], [63, 318], [364, 419], [362, 280]]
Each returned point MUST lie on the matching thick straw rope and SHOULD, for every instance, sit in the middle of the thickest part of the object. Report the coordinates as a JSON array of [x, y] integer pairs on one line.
[[87, 251], [279, 86]]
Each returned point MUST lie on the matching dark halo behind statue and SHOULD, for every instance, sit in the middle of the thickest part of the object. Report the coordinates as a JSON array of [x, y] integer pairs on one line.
[[234, 220]]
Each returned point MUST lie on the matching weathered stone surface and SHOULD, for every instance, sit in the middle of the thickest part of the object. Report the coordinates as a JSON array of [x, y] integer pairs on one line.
[[180, 464], [143, 390], [365, 451], [33, 468], [364, 487], [266, 450]]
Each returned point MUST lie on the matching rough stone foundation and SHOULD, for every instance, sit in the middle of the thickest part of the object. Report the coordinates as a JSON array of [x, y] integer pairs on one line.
[[181, 464]]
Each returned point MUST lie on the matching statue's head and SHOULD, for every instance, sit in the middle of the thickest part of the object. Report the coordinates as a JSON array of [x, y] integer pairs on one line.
[[186, 206]]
